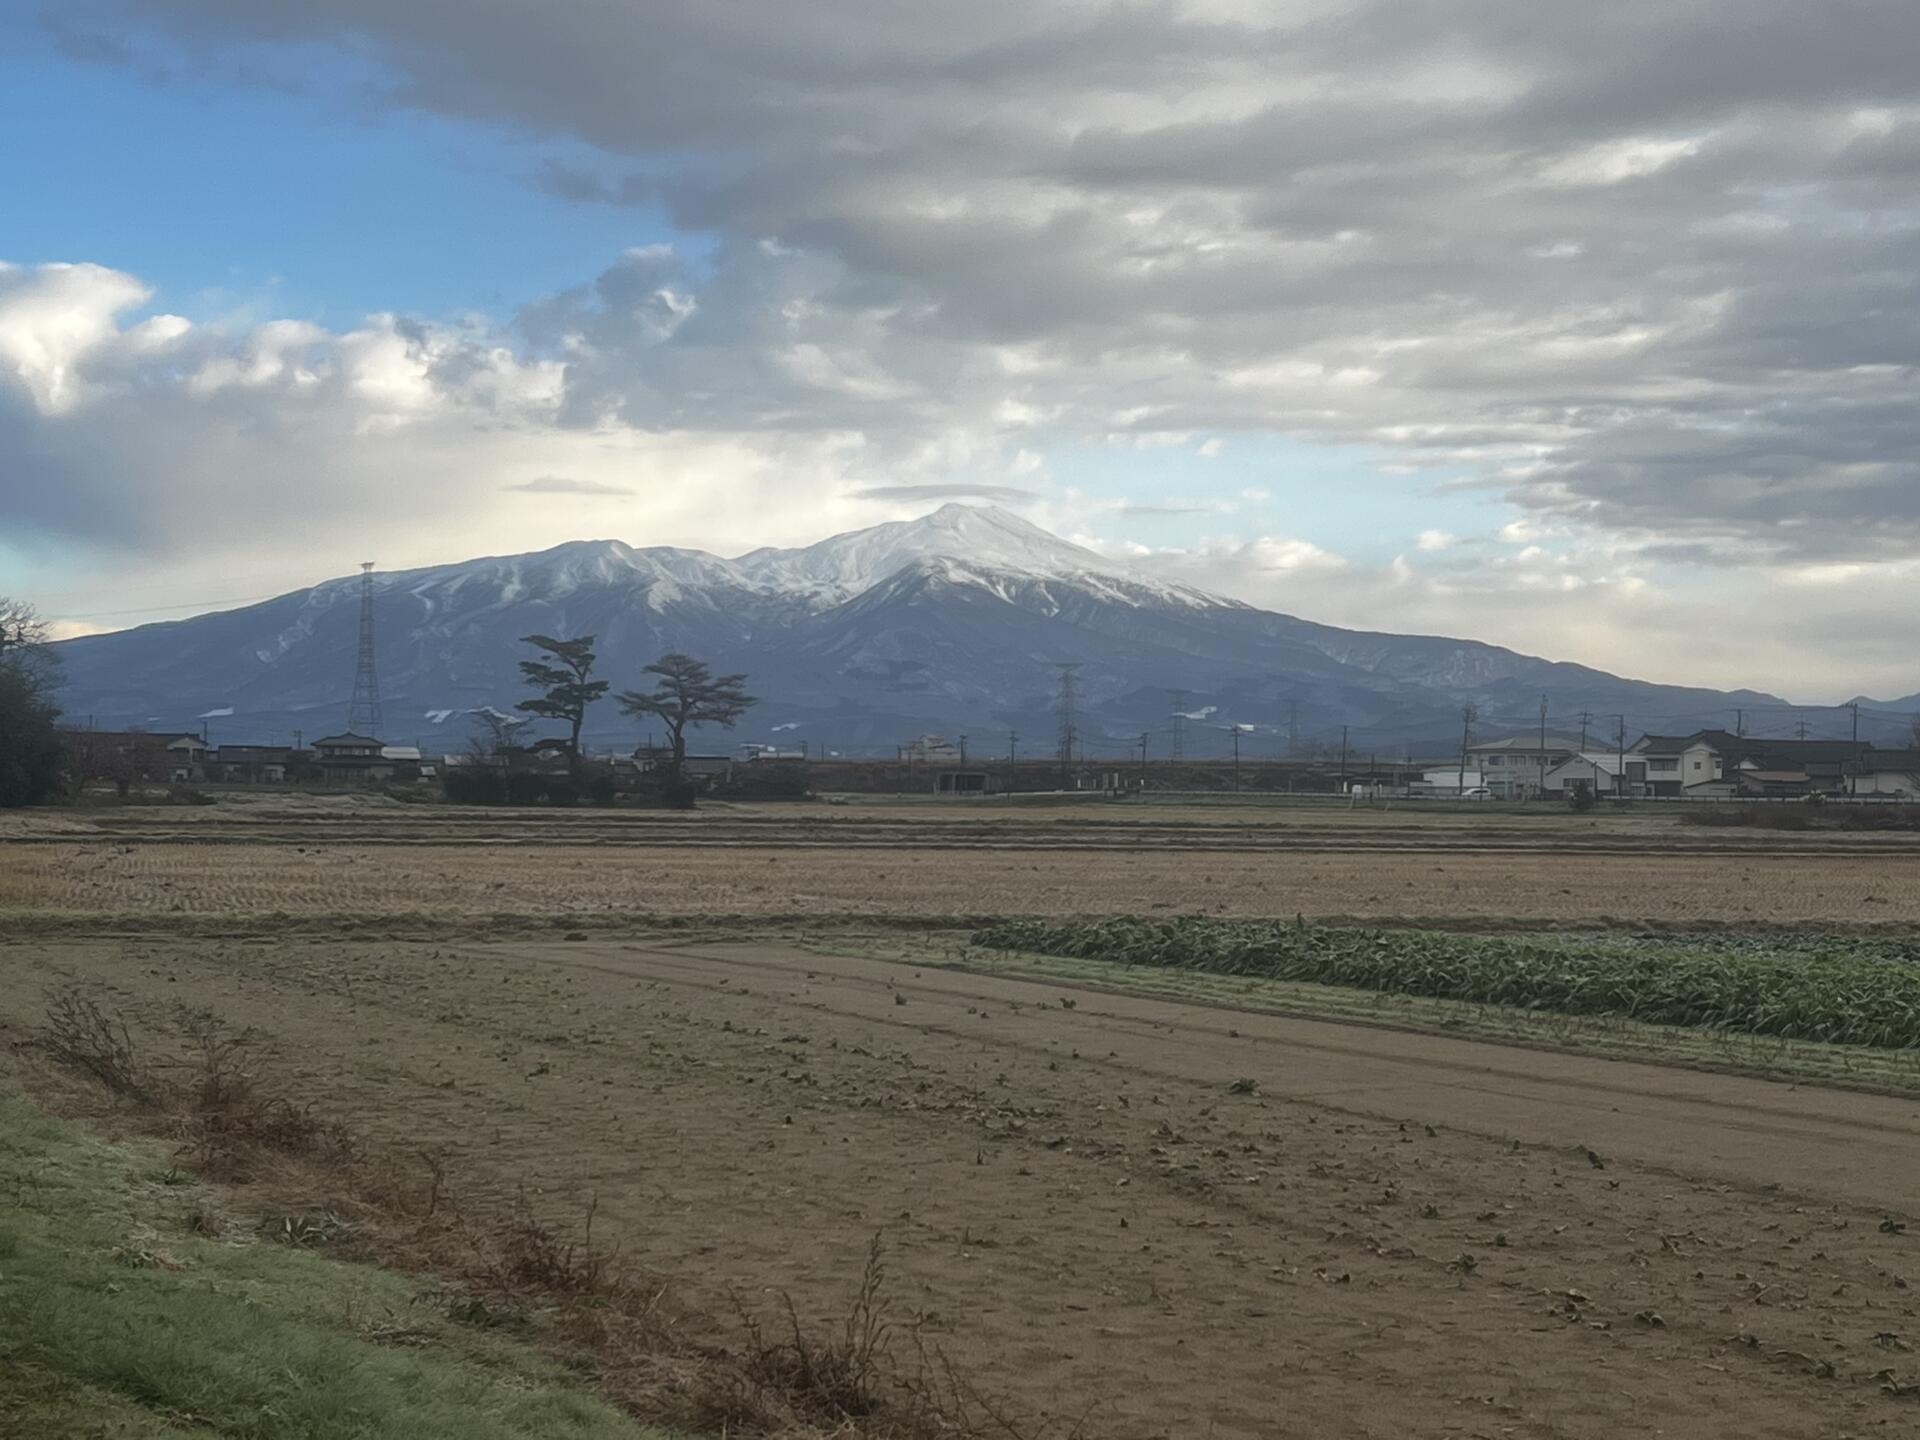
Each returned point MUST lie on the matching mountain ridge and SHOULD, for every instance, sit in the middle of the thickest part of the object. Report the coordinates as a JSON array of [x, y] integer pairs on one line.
[[954, 621]]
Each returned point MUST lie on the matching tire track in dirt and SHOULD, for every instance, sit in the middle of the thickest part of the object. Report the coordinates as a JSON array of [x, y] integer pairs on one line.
[[1356, 1249]]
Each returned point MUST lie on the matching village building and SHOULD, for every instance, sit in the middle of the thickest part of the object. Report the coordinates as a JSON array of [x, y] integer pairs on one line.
[[352, 760], [253, 764], [1516, 767]]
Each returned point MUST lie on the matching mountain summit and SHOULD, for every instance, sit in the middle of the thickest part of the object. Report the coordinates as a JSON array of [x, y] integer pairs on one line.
[[952, 622], [961, 540]]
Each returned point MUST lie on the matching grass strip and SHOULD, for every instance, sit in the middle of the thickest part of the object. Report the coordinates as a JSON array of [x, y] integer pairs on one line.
[[1840, 992], [117, 1320]]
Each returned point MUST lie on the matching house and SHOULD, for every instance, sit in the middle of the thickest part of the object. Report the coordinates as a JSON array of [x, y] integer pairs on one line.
[[1665, 765], [1712, 763], [1601, 771], [186, 758], [252, 764], [129, 757], [1888, 772], [1516, 766], [408, 762], [352, 760]]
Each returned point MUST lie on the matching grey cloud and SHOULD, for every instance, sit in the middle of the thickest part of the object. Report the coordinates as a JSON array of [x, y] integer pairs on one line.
[[935, 493], [1647, 266], [563, 485]]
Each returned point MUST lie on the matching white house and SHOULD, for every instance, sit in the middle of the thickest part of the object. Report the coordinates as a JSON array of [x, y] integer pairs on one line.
[[1516, 766]]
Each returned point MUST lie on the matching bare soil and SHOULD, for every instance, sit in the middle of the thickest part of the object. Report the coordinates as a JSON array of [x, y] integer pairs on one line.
[[1376, 1234], [1439, 881]]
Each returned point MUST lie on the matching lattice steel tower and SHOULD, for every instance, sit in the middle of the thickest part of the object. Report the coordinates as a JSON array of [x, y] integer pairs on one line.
[[363, 715], [1068, 705]]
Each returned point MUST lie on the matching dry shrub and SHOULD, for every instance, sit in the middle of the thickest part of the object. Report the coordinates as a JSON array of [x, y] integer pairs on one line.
[[228, 1124], [83, 1037], [834, 1377]]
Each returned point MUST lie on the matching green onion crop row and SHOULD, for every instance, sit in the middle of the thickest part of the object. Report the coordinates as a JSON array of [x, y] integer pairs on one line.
[[1845, 992]]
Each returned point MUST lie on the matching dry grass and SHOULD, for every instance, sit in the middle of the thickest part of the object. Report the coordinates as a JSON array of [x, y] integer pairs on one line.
[[315, 1185]]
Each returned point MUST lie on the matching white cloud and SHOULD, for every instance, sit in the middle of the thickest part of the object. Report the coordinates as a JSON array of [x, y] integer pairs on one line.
[[1436, 540], [56, 318]]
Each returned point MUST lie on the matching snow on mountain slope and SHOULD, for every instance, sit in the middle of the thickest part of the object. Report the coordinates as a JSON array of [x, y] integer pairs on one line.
[[954, 621], [969, 543]]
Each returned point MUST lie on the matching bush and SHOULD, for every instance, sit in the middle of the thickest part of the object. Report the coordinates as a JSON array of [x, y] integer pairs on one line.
[[679, 793], [473, 785], [1580, 797], [524, 788], [601, 789], [30, 753], [767, 780], [562, 792]]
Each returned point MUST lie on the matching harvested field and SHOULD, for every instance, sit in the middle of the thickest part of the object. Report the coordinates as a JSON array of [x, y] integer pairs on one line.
[[351, 878], [1191, 1221]]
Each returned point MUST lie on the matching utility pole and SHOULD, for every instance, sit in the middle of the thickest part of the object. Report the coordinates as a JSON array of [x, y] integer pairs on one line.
[[963, 751], [1467, 716], [1236, 757], [1586, 718], [1740, 723], [1853, 776], [1143, 756], [1293, 728], [1541, 758], [1177, 719], [1013, 754], [1620, 779], [1343, 759]]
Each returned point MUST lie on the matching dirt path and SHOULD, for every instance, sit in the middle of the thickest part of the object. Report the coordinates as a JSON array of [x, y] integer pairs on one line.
[[1392, 1235]]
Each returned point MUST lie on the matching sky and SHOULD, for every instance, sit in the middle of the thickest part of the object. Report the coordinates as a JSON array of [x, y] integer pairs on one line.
[[1588, 330]]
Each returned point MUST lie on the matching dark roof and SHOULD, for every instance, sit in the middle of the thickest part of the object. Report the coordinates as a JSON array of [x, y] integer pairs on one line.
[[1528, 744], [1720, 740], [1889, 760], [1775, 753], [348, 739]]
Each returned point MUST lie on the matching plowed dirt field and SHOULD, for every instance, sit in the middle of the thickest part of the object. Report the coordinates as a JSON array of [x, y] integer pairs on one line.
[[1174, 1220]]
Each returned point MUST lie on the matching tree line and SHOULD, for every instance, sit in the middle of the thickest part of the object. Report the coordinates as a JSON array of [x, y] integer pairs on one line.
[[30, 753], [685, 693]]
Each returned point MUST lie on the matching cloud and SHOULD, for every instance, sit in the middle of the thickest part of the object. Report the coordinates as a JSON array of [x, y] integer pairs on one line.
[[1643, 273], [1645, 269], [1436, 540], [936, 494], [567, 485]]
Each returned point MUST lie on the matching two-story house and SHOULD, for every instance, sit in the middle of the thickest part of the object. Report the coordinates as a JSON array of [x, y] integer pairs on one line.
[[1516, 768]]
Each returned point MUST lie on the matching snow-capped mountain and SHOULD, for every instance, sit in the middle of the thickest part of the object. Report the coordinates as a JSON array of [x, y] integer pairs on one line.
[[954, 622]]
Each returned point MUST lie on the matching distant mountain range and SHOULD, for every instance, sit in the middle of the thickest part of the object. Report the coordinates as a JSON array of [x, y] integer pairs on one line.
[[955, 622]]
